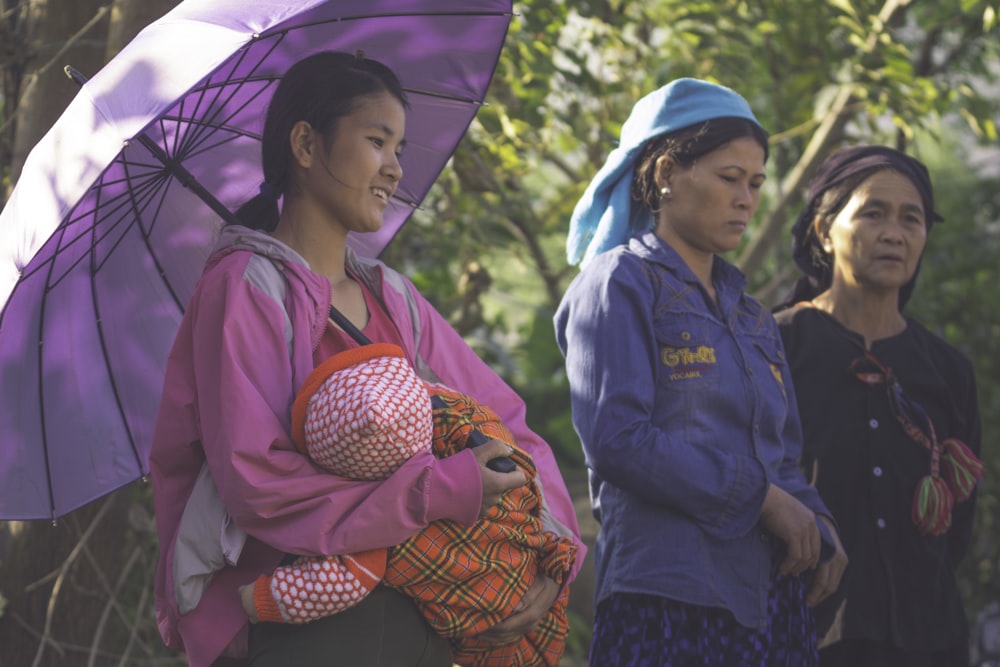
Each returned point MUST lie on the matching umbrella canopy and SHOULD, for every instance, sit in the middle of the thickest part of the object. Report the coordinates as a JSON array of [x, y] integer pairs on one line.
[[112, 218]]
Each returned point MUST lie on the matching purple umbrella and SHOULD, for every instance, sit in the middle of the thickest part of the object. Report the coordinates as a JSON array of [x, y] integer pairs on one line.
[[104, 237]]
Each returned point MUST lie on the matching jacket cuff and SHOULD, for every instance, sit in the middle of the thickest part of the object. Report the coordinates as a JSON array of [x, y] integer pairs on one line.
[[263, 601], [827, 547]]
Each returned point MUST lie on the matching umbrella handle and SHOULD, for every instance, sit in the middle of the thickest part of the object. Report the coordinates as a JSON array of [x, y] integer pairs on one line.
[[477, 438], [498, 464]]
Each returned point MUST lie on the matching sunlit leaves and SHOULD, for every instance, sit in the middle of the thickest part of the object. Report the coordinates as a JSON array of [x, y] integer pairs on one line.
[[571, 72]]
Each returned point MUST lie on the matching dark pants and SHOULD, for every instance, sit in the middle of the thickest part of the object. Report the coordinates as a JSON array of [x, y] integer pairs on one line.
[[384, 630]]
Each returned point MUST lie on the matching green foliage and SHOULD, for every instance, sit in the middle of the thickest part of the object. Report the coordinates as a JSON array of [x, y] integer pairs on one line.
[[955, 297], [922, 76]]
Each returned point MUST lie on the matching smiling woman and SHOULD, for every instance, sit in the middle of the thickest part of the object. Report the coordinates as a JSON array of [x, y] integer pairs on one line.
[[348, 171], [889, 415], [234, 497]]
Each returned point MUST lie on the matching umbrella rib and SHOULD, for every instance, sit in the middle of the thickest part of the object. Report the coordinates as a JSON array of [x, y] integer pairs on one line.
[[204, 127], [234, 130], [194, 138], [78, 238], [445, 96], [387, 15], [94, 267], [177, 169], [158, 185], [273, 78], [49, 285], [407, 202], [280, 34], [146, 191], [41, 388]]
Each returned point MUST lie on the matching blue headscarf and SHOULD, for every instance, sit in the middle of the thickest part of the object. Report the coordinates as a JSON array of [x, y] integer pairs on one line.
[[605, 217]]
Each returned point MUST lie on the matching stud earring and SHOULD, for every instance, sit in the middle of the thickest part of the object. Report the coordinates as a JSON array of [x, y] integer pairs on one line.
[[664, 190]]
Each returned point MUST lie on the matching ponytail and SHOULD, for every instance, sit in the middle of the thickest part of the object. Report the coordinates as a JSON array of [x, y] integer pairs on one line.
[[260, 212]]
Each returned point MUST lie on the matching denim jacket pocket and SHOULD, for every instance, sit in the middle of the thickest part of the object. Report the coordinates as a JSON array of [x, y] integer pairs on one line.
[[686, 354]]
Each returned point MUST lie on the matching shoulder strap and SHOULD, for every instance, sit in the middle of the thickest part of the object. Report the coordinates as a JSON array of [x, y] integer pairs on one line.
[[349, 327]]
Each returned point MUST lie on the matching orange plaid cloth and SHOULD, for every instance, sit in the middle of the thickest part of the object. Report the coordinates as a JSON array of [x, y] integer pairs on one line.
[[466, 580]]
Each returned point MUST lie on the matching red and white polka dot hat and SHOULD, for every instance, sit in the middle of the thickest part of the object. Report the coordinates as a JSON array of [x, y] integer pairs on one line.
[[362, 413]]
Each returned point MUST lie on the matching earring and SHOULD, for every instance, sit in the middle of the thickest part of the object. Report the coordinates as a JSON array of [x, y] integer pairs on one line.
[[665, 191]]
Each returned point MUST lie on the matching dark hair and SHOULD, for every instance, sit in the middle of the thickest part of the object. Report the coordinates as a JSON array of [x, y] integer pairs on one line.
[[685, 146], [319, 89]]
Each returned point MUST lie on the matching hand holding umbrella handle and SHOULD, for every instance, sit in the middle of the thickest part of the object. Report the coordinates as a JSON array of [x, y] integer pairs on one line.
[[500, 463]]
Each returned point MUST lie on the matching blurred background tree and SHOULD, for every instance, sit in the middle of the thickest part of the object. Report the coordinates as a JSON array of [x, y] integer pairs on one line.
[[487, 247]]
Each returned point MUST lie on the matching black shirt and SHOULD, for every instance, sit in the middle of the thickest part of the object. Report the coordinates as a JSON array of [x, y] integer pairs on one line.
[[900, 586]]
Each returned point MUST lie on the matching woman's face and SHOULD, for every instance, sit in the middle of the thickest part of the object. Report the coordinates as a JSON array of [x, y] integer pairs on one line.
[[711, 202], [356, 170], [877, 238]]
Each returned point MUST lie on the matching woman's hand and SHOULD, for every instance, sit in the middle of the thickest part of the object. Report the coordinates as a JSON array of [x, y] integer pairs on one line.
[[828, 574], [496, 483], [794, 524], [536, 602]]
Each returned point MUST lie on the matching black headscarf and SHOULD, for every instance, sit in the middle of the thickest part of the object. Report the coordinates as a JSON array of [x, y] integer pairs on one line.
[[807, 248]]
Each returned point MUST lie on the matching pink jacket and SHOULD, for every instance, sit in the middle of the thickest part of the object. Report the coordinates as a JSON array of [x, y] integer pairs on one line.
[[232, 374]]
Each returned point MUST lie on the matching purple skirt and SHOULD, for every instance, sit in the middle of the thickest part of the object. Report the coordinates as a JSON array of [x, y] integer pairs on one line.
[[636, 630]]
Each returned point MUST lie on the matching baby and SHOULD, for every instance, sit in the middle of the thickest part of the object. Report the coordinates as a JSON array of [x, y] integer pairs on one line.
[[360, 415]]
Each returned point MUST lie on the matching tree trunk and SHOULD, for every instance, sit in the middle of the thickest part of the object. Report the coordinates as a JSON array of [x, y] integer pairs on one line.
[[78, 592], [129, 17], [51, 31]]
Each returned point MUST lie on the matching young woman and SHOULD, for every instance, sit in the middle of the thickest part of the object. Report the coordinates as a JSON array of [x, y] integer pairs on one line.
[[889, 413], [684, 405], [233, 496]]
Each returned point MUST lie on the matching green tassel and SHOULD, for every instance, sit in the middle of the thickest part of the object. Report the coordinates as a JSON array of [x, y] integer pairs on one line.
[[932, 504], [961, 468]]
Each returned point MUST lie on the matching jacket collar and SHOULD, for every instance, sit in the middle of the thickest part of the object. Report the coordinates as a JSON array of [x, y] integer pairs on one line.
[[236, 237], [652, 248]]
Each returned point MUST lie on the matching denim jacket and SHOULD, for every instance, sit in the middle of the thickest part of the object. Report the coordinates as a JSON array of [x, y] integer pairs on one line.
[[686, 414]]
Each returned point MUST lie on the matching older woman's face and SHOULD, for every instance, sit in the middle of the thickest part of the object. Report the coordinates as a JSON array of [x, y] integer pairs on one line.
[[877, 238]]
